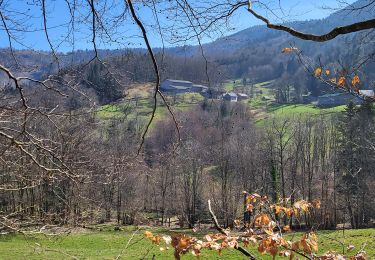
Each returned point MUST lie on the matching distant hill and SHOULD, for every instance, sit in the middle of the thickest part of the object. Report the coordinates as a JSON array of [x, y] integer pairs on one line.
[[253, 53]]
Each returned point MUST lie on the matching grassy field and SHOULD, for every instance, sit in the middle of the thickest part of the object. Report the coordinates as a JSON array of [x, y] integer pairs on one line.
[[281, 111], [265, 108], [111, 244], [140, 104]]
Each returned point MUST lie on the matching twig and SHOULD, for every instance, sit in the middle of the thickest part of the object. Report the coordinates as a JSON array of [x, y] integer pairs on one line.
[[157, 83], [222, 231], [127, 244]]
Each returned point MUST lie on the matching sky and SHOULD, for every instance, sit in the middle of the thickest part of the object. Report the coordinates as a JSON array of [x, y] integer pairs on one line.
[[28, 15]]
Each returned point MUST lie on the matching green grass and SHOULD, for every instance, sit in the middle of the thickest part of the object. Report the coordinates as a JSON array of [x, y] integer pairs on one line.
[[229, 85], [295, 111], [108, 244], [300, 109], [144, 107], [263, 95], [263, 99]]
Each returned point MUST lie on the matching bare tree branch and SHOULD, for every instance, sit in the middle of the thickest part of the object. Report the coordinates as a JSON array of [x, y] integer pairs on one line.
[[355, 27], [222, 231]]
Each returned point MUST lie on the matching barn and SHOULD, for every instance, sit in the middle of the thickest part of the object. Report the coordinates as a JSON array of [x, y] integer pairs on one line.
[[176, 86], [231, 96]]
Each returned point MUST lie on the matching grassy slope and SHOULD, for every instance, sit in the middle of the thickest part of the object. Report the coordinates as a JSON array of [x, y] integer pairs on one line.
[[144, 105], [262, 103], [109, 244], [265, 107]]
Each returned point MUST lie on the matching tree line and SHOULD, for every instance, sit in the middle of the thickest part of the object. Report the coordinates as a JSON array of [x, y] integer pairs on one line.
[[87, 170]]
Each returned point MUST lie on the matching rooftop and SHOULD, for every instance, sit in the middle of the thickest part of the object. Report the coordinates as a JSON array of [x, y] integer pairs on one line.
[[178, 81], [199, 86], [179, 87], [367, 92], [232, 94], [332, 95]]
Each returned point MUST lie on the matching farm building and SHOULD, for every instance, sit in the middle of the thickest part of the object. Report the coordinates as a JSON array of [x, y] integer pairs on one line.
[[231, 96], [173, 86], [176, 86], [242, 96], [336, 99], [199, 88], [367, 93]]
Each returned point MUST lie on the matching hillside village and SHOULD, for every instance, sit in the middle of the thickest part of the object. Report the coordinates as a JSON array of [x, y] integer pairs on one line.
[[175, 87]]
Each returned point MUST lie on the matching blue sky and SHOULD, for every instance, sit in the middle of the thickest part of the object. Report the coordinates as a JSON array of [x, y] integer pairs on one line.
[[126, 33]]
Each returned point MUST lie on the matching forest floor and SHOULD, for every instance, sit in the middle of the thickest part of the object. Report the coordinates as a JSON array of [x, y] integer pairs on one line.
[[129, 243]]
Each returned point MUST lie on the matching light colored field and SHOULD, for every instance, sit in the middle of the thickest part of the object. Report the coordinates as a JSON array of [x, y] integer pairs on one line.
[[108, 244], [139, 104]]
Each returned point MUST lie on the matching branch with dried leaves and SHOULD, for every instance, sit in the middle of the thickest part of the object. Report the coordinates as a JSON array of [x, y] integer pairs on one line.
[[222, 231]]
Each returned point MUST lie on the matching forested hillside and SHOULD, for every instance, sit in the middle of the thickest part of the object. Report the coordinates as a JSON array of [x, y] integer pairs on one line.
[[229, 158], [254, 54]]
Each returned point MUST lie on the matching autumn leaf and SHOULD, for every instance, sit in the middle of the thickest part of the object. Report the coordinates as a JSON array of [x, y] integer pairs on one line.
[[295, 245], [237, 223], [273, 250], [318, 72], [285, 253], [313, 241], [359, 256], [250, 207], [263, 246], [248, 240], [309, 243], [355, 80], [182, 244], [250, 199], [289, 211], [214, 237], [290, 49], [208, 238], [286, 228], [305, 245], [328, 72], [302, 204], [232, 244], [278, 209], [262, 220], [156, 240], [316, 203], [197, 249], [341, 82], [148, 235], [167, 239]]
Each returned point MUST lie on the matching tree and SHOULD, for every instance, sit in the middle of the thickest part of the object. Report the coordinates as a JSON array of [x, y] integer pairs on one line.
[[354, 160]]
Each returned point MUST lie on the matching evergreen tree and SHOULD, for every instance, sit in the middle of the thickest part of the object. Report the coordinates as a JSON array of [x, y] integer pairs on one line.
[[356, 129], [105, 87]]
